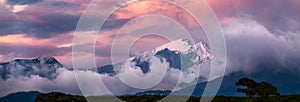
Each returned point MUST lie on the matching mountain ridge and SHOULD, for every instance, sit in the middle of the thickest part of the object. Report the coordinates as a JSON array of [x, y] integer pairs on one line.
[[196, 54], [43, 66], [181, 57]]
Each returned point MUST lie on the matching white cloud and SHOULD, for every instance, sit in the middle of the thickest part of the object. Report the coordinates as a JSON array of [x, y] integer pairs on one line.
[[65, 82], [18, 8]]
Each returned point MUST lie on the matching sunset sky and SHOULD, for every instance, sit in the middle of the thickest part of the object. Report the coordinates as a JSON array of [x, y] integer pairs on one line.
[[262, 39], [256, 31]]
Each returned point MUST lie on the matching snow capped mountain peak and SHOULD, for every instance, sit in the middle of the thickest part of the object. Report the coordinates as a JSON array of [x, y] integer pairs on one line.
[[48, 60], [44, 66], [204, 51], [180, 45], [179, 54], [199, 51], [45, 57]]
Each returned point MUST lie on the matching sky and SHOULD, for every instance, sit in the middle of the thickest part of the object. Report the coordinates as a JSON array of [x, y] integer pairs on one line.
[[28, 29], [257, 32]]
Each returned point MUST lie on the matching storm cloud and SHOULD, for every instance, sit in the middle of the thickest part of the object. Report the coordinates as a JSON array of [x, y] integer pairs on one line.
[[22, 2], [261, 51], [42, 26]]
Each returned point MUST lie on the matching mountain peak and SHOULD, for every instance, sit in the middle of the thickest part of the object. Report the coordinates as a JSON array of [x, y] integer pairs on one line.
[[181, 45], [44, 66], [181, 54], [47, 60], [45, 57]]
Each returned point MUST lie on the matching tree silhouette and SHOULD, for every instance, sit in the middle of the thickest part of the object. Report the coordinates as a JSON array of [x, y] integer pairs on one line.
[[260, 90], [249, 85], [264, 90]]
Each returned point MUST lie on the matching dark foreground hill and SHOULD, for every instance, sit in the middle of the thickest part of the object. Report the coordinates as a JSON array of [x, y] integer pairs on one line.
[[20, 97], [61, 97]]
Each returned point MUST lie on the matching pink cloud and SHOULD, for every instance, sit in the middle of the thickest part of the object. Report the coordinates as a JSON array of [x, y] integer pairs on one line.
[[275, 15]]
